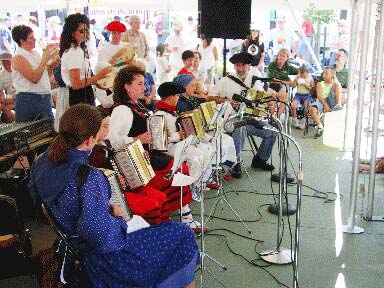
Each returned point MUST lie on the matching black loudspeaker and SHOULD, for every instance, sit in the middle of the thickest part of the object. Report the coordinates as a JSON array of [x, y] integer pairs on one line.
[[229, 19]]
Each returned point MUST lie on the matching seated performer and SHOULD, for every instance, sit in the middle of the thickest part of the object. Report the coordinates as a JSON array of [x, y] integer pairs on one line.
[[187, 102], [146, 201], [129, 123], [7, 91], [225, 88], [114, 253]]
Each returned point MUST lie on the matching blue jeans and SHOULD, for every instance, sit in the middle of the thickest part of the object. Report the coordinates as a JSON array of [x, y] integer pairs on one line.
[[266, 146], [30, 105]]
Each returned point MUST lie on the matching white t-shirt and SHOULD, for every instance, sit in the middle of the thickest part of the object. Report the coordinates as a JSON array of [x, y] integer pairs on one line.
[[21, 83], [161, 65], [175, 57], [106, 53], [226, 87], [6, 83], [207, 57], [282, 39], [75, 58]]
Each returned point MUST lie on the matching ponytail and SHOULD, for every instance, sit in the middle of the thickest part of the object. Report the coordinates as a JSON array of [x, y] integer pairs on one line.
[[78, 123]]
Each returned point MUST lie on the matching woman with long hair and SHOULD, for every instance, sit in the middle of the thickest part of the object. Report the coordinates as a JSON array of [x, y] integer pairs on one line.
[[114, 252], [75, 66], [30, 77], [254, 46], [129, 123]]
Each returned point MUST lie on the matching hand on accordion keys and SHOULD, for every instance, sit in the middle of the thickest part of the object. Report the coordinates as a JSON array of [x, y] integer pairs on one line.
[[144, 138], [118, 211]]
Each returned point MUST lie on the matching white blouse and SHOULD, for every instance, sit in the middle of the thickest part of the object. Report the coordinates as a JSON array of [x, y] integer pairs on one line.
[[119, 126]]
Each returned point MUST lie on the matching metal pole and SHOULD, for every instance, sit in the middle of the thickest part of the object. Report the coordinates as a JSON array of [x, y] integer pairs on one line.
[[317, 63], [351, 228], [351, 74], [379, 73]]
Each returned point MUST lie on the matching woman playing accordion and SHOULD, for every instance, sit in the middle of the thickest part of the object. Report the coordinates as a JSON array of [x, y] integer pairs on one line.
[[129, 123]]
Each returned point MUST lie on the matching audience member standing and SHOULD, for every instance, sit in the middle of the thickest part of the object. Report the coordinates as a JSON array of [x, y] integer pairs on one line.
[[6, 43], [151, 36], [209, 58], [339, 40], [254, 46], [136, 38], [30, 77], [162, 65], [175, 46], [283, 38]]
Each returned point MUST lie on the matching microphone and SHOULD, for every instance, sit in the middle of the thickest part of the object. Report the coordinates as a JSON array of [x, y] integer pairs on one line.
[[244, 100], [230, 126]]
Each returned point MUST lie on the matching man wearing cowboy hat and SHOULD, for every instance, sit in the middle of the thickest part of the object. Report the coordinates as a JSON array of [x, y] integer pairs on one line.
[[226, 88], [7, 91], [175, 45]]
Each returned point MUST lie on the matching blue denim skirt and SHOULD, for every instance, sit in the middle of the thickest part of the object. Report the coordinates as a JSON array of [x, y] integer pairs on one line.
[[30, 106]]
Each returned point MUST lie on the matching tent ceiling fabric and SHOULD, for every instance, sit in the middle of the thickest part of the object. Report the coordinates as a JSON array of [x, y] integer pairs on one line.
[[175, 5]]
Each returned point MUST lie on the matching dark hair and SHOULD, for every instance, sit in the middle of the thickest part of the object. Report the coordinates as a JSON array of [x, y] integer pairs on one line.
[[160, 48], [257, 40], [187, 54], [77, 124], [72, 22], [197, 53], [125, 76], [344, 51], [21, 32], [209, 40]]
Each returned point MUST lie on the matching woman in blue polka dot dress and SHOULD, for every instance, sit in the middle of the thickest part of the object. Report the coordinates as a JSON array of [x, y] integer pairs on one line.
[[115, 253]]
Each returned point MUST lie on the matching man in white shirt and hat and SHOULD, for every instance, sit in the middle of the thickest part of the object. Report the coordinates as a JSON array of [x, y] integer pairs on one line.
[[175, 46], [7, 91]]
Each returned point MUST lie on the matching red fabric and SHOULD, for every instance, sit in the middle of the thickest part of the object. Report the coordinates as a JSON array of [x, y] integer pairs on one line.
[[116, 26], [172, 192], [165, 106], [185, 71], [308, 28], [149, 203]]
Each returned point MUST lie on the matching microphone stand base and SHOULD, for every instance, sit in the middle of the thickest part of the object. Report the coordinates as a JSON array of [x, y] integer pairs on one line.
[[290, 177], [290, 210], [279, 256], [354, 230]]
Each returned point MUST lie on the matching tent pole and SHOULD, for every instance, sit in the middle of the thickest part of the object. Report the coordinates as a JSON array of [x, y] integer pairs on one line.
[[351, 74], [376, 108], [317, 63], [351, 228]]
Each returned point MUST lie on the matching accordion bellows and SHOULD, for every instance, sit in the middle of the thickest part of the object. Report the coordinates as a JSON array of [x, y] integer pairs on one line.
[[157, 130], [134, 165]]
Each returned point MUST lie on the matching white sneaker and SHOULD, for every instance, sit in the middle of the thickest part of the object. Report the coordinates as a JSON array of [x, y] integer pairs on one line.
[[195, 225], [337, 107], [295, 122], [302, 124]]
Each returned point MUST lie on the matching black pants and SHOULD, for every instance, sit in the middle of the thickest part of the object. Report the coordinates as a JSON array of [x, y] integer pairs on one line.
[[82, 95]]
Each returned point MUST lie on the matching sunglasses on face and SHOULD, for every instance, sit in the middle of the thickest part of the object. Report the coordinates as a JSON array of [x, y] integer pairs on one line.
[[81, 31]]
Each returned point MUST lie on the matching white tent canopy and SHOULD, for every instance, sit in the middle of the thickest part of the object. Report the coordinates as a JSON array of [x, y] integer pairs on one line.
[[175, 5]]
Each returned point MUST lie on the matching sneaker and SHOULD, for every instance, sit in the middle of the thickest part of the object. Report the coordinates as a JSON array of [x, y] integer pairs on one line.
[[213, 185], [259, 163], [337, 107], [236, 171], [319, 132], [295, 122], [196, 226], [302, 124]]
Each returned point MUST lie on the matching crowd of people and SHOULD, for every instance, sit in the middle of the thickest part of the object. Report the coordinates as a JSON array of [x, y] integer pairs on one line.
[[73, 76]]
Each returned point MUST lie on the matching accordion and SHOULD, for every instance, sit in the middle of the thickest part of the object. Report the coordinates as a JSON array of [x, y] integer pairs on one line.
[[208, 110], [133, 164], [255, 95], [157, 130], [192, 123], [117, 196]]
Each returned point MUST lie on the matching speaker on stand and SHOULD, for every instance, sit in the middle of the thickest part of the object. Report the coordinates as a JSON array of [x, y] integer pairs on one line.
[[227, 19]]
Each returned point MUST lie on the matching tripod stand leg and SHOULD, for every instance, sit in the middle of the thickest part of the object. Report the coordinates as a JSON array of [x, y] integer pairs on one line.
[[213, 260], [237, 215]]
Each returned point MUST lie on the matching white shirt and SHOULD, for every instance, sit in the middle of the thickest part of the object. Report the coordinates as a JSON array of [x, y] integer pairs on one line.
[[75, 58], [6, 83], [161, 65], [226, 87], [175, 57], [21, 83], [119, 126], [106, 53], [207, 57], [282, 39]]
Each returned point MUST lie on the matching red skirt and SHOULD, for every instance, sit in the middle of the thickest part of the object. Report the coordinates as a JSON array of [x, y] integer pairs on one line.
[[172, 192]]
